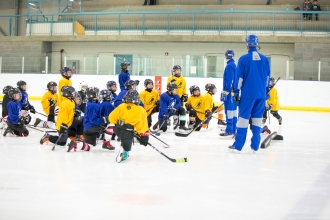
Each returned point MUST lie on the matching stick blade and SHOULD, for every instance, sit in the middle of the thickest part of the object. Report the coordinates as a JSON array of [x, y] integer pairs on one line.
[[181, 134], [267, 141], [278, 138], [181, 160]]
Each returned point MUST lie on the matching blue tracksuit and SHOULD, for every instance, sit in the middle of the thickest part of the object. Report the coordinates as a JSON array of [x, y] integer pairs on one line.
[[14, 109], [106, 108], [230, 108], [167, 102], [122, 78], [92, 115], [119, 99], [25, 100], [252, 79]]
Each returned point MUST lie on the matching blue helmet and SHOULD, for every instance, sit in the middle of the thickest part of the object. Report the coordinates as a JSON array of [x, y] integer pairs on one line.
[[229, 54], [252, 41]]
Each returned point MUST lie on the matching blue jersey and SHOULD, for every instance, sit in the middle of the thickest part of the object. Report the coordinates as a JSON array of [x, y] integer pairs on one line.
[[25, 100], [14, 109], [114, 95], [229, 76], [167, 102], [119, 99], [252, 76], [106, 108], [92, 115], [122, 78]]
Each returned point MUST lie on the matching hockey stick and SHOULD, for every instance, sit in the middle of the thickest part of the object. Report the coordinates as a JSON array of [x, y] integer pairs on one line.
[[167, 145], [57, 141], [205, 114], [179, 160], [156, 131], [272, 136], [48, 131], [41, 114], [200, 124]]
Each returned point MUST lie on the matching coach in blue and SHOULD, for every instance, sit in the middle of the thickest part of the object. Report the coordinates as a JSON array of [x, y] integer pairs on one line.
[[252, 81]]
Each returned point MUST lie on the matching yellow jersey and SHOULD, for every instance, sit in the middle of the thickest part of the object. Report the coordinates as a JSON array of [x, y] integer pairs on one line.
[[149, 99], [273, 100], [45, 103], [66, 113], [63, 82], [180, 82], [198, 104]]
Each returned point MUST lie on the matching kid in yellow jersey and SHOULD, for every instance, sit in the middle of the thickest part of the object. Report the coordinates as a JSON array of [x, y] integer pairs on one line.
[[64, 119], [150, 99], [66, 73], [127, 117], [196, 107], [272, 103], [209, 105], [49, 102]]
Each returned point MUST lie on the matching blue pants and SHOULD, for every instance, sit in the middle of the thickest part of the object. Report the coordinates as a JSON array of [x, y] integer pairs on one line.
[[253, 108], [231, 115]]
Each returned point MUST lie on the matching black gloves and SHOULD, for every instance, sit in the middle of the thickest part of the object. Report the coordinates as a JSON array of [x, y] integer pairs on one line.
[[51, 102], [184, 98], [63, 129], [188, 106], [32, 110], [144, 138], [208, 113], [21, 121]]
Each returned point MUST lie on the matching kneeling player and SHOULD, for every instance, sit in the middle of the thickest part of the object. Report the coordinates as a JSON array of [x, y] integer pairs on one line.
[[5, 101], [127, 117], [77, 128], [150, 99], [15, 121], [196, 107], [272, 103]]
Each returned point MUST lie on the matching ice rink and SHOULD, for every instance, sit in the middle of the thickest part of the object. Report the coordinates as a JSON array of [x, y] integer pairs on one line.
[[288, 180]]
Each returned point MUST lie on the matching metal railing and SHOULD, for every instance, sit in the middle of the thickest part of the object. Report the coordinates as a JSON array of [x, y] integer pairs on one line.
[[184, 22]]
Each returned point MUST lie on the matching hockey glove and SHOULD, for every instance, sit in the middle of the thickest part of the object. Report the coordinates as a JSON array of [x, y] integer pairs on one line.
[[27, 119], [32, 110], [21, 121], [63, 129], [172, 111], [184, 98], [25, 106], [224, 96], [208, 113], [51, 102], [236, 99], [268, 107], [144, 138], [188, 106], [157, 102], [56, 110]]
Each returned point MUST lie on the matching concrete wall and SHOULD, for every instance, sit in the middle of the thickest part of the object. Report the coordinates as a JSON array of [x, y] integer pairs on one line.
[[292, 94]]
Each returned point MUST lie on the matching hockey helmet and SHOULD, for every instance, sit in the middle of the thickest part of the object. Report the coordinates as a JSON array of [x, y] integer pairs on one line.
[[132, 96]]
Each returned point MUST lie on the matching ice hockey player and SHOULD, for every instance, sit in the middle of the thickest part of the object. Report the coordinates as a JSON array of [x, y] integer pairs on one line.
[[15, 121], [64, 119], [5, 101], [106, 105], [25, 104], [124, 76], [66, 73], [129, 85], [170, 105], [272, 103], [226, 94], [82, 93], [252, 80], [76, 129], [49, 101], [180, 82], [93, 122], [211, 90], [150, 99], [112, 87], [196, 107], [128, 118]]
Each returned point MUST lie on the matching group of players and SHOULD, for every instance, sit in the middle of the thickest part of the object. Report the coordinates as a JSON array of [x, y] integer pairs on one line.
[[89, 115]]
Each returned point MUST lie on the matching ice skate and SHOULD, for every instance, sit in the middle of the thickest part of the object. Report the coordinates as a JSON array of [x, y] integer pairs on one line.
[[107, 146], [225, 134], [233, 150], [221, 123], [122, 155], [280, 121], [265, 130], [72, 145], [36, 122], [8, 132], [183, 129], [44, 138], [175, 121]]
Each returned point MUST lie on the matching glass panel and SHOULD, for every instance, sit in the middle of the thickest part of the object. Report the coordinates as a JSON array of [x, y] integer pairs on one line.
[[192, 66], [106, 64]]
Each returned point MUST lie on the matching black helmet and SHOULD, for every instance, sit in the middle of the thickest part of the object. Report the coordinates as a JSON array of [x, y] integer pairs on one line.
[[129, 84], [6, 89], [20, 84], [64, 72], [14, 91], [132, 96], [68, 92], [92, 92], [147, 82], [210, 88], [124, 64], [105, 94], [171, 87], [111, 83], [193, 88], [272, 79], [50, 85], [177, 67]]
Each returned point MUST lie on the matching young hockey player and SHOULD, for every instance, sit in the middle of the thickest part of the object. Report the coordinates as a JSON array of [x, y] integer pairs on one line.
[[180, 82], [112, 87], [196, 107], [129, 85], [226, 94], [252, 82], [128, 118], [106, 105], [82, 93], [66, 73], [170, 105], [150, 99], [272, 103], [25, 104], [15, 120], [5, 101], [124, 76], [76, 130], [49, 101], [93, 122], [64, 119], [211, 90]]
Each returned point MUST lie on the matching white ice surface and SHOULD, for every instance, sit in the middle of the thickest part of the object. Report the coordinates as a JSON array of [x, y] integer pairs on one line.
[[288, 180]]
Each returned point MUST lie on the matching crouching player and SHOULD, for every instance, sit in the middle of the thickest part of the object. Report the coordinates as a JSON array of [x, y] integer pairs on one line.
[[127, 117], [196, 107]]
